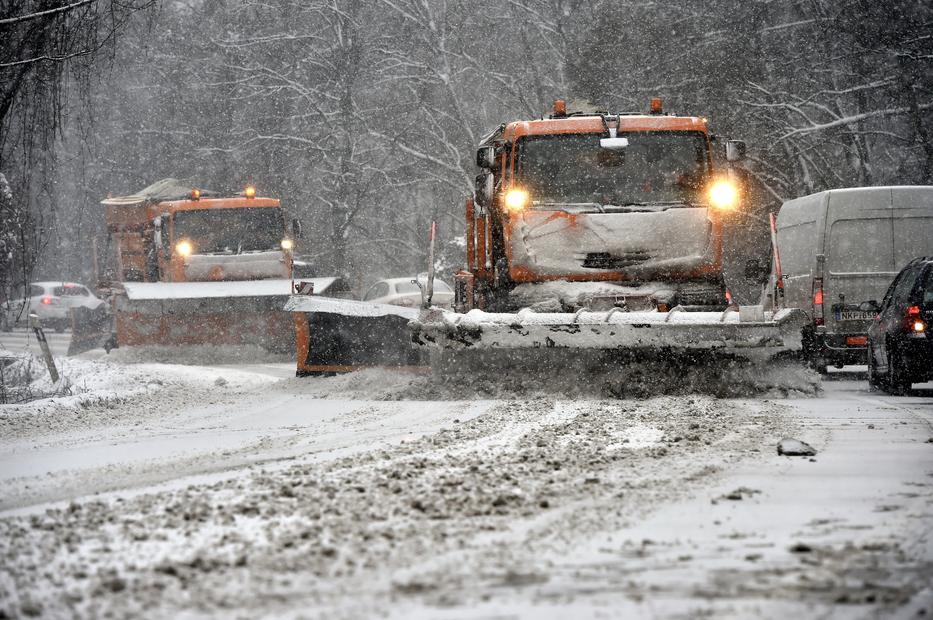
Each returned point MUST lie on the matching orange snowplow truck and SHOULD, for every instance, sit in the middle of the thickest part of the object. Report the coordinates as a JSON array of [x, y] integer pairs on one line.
[[603, 232], [599, 210], [193, 267]]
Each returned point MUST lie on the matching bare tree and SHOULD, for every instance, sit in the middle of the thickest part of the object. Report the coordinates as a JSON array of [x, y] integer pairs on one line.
[[44, 44]]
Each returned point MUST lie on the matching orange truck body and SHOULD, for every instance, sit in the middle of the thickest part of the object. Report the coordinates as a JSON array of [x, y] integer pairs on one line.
[[501, 257]]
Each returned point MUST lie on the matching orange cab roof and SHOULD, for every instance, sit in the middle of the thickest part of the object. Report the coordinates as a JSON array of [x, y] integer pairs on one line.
[[217, 203], [594, 124]]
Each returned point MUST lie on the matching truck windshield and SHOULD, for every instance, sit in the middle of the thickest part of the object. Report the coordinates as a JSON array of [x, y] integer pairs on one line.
[[231, 230], [657, 167]]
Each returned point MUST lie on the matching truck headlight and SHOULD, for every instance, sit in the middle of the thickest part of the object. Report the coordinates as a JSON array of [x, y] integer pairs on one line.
[[517, 200], [724, 195], [287, 244], [184, 248]]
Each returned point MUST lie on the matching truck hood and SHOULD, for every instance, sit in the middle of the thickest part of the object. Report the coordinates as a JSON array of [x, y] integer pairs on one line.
[[636, 245], [249, 266]]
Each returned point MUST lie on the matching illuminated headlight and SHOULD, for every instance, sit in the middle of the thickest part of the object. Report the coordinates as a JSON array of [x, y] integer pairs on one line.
[[184, 248], [724, 195], [287, 244], [517, 200]]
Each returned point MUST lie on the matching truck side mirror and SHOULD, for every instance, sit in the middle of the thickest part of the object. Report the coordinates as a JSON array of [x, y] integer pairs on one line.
[[296, 228], [735, 150], [484, 188], [157, 235], [486, 157]]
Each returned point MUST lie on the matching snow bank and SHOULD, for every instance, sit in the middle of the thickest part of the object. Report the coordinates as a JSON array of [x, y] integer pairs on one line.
[[92, 388], [197, 355]]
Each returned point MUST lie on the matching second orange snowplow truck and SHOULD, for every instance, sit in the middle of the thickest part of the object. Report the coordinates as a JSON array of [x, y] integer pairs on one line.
[[194, 267]]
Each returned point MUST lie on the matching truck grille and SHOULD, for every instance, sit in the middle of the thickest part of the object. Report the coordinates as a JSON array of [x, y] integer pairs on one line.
[[605, 260]]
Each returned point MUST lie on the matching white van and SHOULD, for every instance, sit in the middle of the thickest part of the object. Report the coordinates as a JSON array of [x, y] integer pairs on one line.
[[839, 251]]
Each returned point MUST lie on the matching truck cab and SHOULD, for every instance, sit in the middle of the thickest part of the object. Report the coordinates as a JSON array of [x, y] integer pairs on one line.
[[631, 202], [217, 239]]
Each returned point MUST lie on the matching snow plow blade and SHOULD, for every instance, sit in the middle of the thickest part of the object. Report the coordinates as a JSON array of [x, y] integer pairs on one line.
[[744, 331], [343, 335], [205, 313]]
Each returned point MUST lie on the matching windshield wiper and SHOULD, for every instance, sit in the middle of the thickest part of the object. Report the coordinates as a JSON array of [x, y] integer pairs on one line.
[[571, 207], [650, 206]]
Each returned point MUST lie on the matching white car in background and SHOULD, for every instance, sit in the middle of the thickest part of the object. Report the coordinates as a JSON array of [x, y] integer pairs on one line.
[[51, 302], [404, 292]]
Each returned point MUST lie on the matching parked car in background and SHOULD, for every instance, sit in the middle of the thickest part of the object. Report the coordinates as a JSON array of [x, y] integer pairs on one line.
[[900, 347], [51, 302], [841, 248], [404, 292]]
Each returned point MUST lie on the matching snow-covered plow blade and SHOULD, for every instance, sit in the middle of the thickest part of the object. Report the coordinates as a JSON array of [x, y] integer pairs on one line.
[[342, 335], [205, 313], [746, 332]]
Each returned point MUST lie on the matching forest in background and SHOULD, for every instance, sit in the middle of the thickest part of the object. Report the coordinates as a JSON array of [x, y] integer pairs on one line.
[[364, 116]]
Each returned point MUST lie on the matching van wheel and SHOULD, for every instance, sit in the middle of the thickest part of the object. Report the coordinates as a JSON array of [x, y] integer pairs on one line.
[[875, 382]]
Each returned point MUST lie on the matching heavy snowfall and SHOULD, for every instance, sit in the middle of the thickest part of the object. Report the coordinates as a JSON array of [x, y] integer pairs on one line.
[[447, 309]]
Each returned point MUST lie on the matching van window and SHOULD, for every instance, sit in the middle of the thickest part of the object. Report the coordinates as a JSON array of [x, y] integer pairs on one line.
[[913, 237], [860, 246], [35, 290]]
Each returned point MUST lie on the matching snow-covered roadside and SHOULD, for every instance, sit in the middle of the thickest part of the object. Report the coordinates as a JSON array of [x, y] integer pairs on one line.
[[301, 537], [845, 534], [336, 497], [103, 393]]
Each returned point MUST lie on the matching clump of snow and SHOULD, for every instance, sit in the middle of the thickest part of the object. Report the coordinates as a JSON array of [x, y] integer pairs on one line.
[[467, 375], [482, 374]]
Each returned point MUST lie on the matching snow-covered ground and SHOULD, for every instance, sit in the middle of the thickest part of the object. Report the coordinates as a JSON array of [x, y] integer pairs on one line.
[[214, 491]]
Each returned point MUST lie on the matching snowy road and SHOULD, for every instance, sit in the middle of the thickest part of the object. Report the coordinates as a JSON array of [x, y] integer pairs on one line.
[[170, 490]]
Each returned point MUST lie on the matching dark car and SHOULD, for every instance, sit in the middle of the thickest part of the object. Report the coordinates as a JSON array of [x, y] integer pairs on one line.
[[900, 347]]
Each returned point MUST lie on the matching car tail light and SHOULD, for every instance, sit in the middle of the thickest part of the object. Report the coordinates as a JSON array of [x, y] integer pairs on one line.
[[914, 323], [47, 301], [818, 301]]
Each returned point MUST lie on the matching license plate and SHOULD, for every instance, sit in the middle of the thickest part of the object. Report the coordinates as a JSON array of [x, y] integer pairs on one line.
[[854, 315]]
